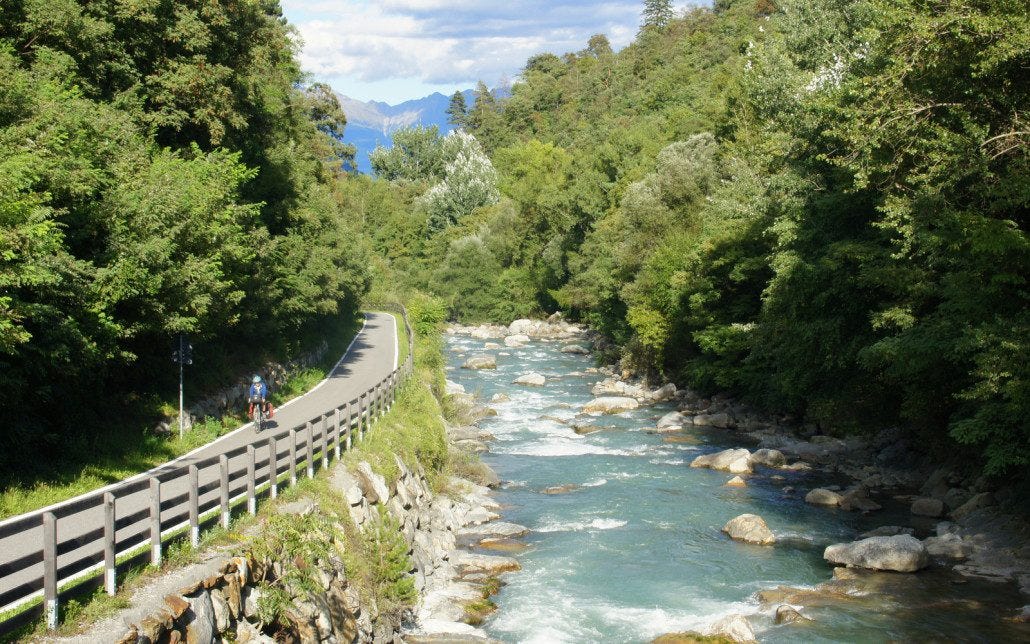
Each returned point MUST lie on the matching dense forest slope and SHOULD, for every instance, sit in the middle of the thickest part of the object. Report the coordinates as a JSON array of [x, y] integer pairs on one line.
[[160, 173], [819, 205]]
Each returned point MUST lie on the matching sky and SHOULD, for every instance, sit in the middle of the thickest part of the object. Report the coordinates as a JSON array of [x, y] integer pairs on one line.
[[395, 50]]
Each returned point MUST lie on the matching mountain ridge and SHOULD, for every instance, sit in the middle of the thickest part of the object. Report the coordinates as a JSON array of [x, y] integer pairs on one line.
[[372, 123]]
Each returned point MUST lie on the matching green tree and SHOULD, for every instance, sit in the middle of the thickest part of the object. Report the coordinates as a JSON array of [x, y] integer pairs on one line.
[[656, 14], [457, 110]]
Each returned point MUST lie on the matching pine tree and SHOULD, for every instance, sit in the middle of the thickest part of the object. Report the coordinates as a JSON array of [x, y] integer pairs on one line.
[[656, 14], [457, 111]]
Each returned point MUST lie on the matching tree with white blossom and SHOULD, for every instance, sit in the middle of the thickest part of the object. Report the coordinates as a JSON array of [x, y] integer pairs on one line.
[[469, 182]]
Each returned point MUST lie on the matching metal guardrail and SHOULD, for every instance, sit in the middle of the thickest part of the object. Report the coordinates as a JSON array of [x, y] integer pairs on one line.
[[176, 500]]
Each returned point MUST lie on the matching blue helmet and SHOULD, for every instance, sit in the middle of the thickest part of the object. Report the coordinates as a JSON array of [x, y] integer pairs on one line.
[[256, 379]]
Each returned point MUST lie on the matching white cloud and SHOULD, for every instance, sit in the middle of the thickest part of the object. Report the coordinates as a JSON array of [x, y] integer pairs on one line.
[[438, 42]]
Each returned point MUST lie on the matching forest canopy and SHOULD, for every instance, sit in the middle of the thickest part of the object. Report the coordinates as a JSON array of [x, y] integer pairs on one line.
[[163, 170], [817, 205]]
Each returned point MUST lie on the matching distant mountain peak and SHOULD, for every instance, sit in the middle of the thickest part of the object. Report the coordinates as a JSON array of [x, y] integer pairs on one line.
[[372, 123]]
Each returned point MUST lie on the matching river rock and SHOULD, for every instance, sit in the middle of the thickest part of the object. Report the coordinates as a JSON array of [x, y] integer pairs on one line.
[[857, 499], [480, 361], [673, 419], [516, 341], [531, 379], [721, 420], [613, 387], [610, 405], [493, 530], [664, 393], [451, 388], [522, 327], [575, 349], [487, 332], [822, 496], [948, 546], [562, 489], [735, 627], [901, 553], [982, 500], [927, 507], [769, 457], [749, 528], [786, 614], [734, 461], [470, 563], [736, 481]]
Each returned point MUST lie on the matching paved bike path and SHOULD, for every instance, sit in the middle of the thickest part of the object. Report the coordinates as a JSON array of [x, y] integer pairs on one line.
[[371, 357]]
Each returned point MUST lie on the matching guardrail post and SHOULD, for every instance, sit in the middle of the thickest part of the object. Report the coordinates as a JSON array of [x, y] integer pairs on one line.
[[273, 469], [194, 484], [223, 488], [293, 457], [347, 426], [50, 569], [251, 482], [325, 441], [155, 521], [310, 440], [362, 410], [336, 433], [110, 576]]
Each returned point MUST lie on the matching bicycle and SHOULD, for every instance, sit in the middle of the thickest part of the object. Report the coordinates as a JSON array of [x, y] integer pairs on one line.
[[258, 414]]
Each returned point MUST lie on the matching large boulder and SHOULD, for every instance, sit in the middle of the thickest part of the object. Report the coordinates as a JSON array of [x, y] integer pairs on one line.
[[673, 419], [821, 496], [948, 546], [749, 528], [900, 553], [575, 349], [615, 387], [480, 361], [664, 393], [516, 341], [857, 499], [927, 507], [721, 420], [451, 388], [610, 405], [982, 500], [522, 327], [769, 458], [531, 379], [787, 614], [734, 461], [735, 627]]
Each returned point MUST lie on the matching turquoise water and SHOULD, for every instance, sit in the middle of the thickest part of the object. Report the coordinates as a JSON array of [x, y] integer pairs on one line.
[[636, 551]]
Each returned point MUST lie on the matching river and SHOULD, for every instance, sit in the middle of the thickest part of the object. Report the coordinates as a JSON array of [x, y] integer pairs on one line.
[[635, 551]]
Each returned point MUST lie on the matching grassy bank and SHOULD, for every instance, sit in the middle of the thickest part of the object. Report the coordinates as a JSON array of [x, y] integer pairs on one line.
[[131, 448]]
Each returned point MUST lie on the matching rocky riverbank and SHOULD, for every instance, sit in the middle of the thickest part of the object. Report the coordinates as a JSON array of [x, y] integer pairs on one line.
[[291, 583]]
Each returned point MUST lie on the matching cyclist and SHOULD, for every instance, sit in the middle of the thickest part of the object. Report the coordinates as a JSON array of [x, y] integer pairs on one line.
[[258, 395]]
